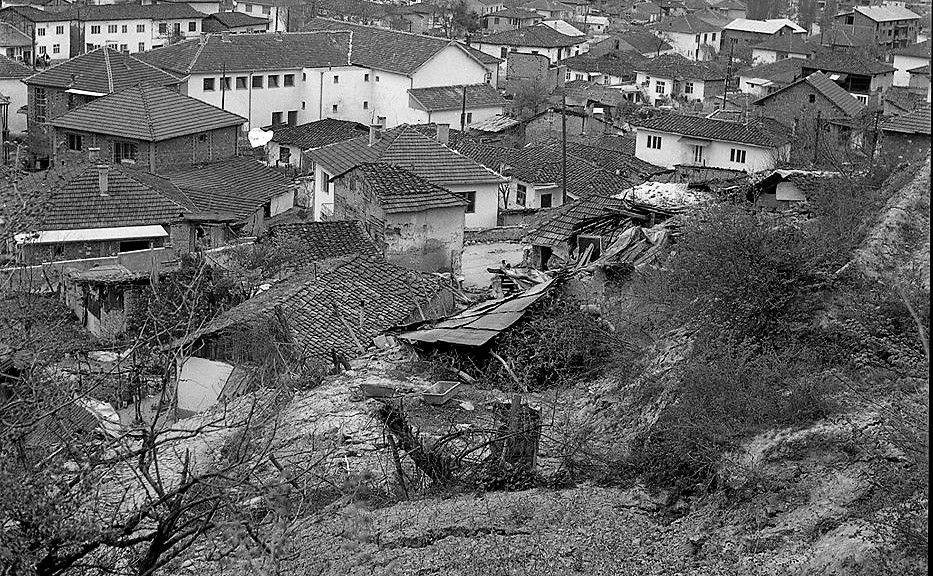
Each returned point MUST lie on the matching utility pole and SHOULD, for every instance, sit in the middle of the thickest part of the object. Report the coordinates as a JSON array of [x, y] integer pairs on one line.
[[463, 111], [816, 143], [725, 88], [223, 86], [563, 148]]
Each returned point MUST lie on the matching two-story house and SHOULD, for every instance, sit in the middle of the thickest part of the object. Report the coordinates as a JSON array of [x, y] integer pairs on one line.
[[633, 42], [50, 32], [675, 139], [781, 47], [456, 105], [690, 36], [766, 78], [277, 12], [741, 35], [430, 158], [612, 68], [289, 145], [15, 97], [909, 58], [809, 98], [15, 44], [537, 39], [885, 26], [77, 81], [550, 9], [730, 9], [148, 126], [864, 78], [483, 8], [672, 77], [132, 27], [510, 19]]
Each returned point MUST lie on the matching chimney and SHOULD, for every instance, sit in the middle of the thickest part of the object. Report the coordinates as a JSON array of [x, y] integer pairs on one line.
[[102, 172], [375, 131], [443, 133], [225, 36], [93, 154]]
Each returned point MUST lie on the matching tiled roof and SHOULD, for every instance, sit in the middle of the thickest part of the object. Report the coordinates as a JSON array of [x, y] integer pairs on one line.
[[405, 146], [582, 90], [237, 185], [11, 36], [762, 132], [729, 5], [129, 202], [555, 230], [564, 27], [519, 13], [642, 42], [132, 11], [235, 19], [763, 26], [537, 36], [323, 240], [844, 62], [687, 24], [621, 64], [920, 70], [336, 304], [712, 17], [36, 15], [916, 122], [829, 89], [215, 53], [399, 190], [676, 66], [10, 68], [480, 55], [384, 49], [790, 43], [781, 72], [886, 13], [102, 71], [919, 50], [840, 37], [451, 97], [903, 98], [146, 112], [318, 133]]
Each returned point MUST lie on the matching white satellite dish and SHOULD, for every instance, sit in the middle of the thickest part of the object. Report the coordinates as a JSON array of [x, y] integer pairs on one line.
[[258, 137]]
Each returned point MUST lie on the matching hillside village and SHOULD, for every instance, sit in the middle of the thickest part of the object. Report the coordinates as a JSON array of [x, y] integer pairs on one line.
[[464, 287]]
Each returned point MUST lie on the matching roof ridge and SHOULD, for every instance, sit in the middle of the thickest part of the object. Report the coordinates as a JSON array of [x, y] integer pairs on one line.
[[106, 54], [145, 101], [197, 54], [434, 38]]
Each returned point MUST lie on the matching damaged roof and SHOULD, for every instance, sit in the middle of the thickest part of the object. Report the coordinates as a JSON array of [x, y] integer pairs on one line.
[[399, 190], [318, 133], [323, 240], [341, 303]]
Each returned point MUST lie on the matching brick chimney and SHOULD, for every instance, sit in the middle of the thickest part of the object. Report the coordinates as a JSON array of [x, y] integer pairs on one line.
[[375, 131], [102, 172], [443, 133], [93, 154]]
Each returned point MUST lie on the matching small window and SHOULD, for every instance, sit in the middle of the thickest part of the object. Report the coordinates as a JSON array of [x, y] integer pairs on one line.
[[266, 10], [192, 26], [40, 31], [503, 52], [59, 29], [654, 142], [812, 98], [714, 37], [225, 83], [365, 105], [163, 28], [292, 117], [112, 29], [365, 77], [124, 29], [547, 200], [257, 81], [336, 79], [688, 87], [124, 151], [273, 81], [470, 197], [56, 48], [141, 28], [209, 84], [288, 80], [248, 8], [124, 48], [75, 142], [737, 155], [285, 154], [521, 194], [276, 118], [41, 49], [333, 108], [659, 87], [95, 29], [241, 82], [142, 47]]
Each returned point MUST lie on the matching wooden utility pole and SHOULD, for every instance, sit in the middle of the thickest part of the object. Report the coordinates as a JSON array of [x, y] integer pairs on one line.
[[816, 143], [463, 111], [563, 148], [725, 88]]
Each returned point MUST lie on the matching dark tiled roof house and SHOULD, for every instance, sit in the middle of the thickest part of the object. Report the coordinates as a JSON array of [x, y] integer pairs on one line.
[[807, 97]]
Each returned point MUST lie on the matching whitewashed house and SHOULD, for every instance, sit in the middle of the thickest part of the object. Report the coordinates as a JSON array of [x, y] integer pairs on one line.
[[133, 27], [676, 139], [781, 48], [276, 12], [672, 77], [691, 37], [538, 39], [910, 58], [456, 105], [50, 31], [14, 92]]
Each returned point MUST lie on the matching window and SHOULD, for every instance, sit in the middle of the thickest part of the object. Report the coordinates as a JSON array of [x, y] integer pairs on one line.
[[124, 151], [521, 194], [503, 52], [276, 118], [112, 45], [40, 104], [654, 142], [292, 117], [134, 245], [140, 28], [812, 98], [163, 28], [192, 26], [59, 29], [704, 38], [142, 47], [697, 154], [75, 142], [377, 77], [737, 155], [288, 80], [95, 29], [547, 200], [124, 48], [257, 81], [225, 83], [285, 154], [40, 31], [688, 87], [176, 28], [209, 84], [265, 10], [381, 120], [698, 38], [273, 81], [470, 197], [249, 8], [336, 79], [111, 29], [495, 20], [241, 82], [123, 29], [365, 105], [365, 77], [41, 49], [659, 87], [333, 108], [56, 48], [714, 37], [850, 20], [534, 51]]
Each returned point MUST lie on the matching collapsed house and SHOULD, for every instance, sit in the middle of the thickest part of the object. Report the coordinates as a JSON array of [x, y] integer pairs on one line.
[[330, 310]]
